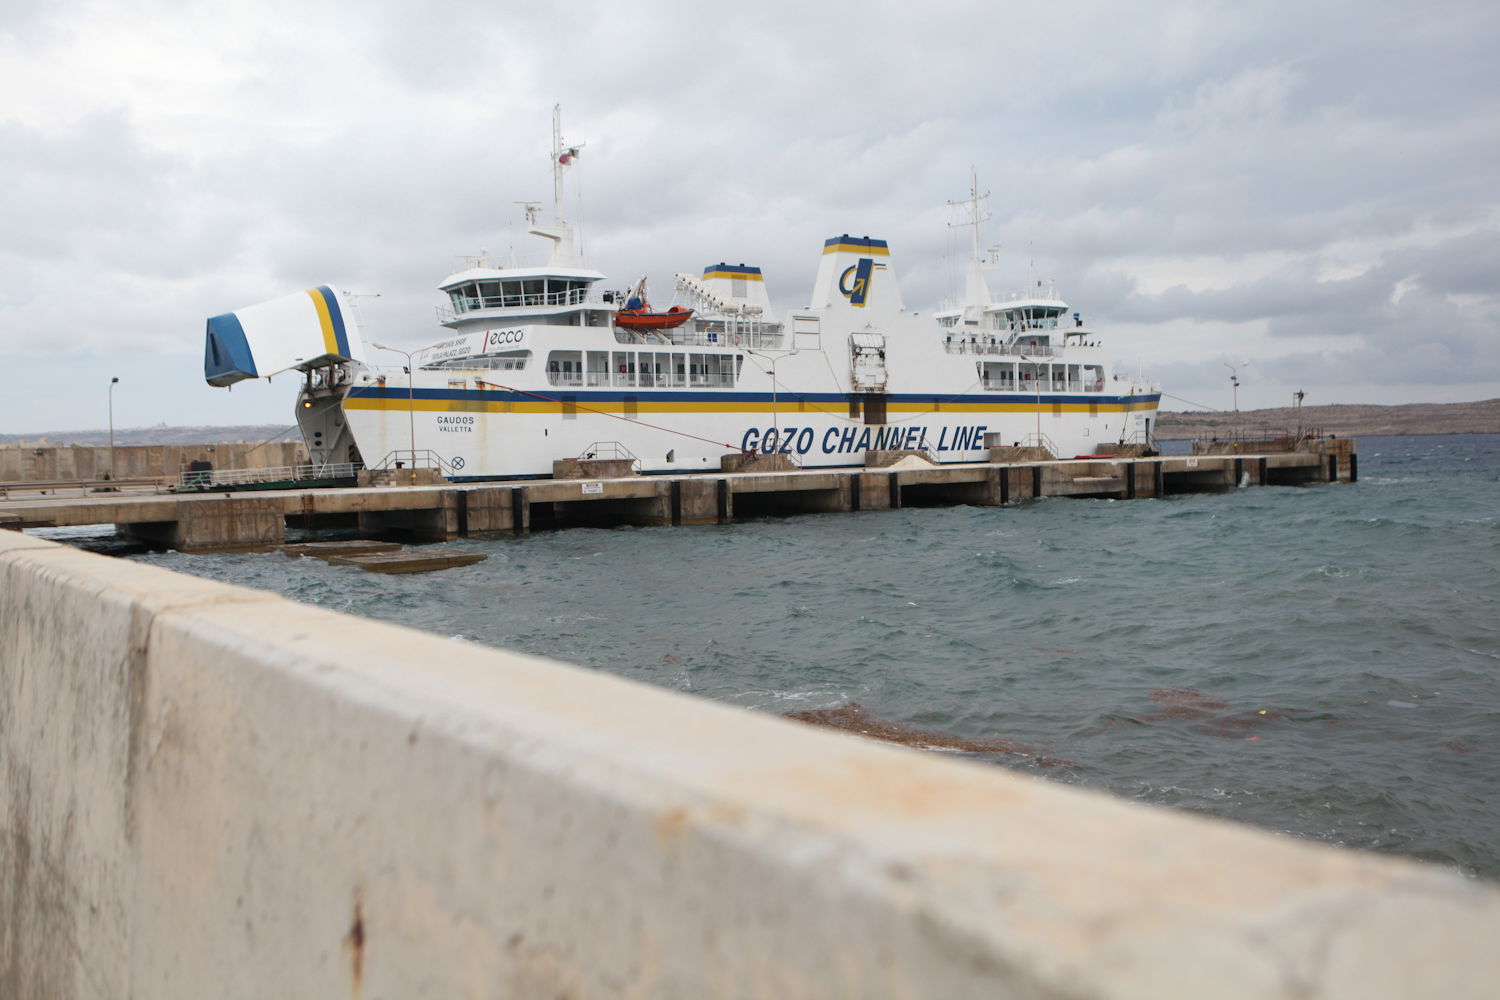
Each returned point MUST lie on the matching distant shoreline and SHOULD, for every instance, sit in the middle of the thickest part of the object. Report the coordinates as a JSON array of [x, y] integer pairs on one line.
[[1345, 420]]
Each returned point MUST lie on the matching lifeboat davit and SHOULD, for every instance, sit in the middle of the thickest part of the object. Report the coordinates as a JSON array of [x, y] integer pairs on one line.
[[646, 318]]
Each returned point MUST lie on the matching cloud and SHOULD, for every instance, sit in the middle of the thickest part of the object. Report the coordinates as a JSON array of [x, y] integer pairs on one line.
[[1313, 186]]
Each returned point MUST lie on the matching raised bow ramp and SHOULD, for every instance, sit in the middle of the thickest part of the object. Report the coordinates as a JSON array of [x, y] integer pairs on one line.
[[302, 330]]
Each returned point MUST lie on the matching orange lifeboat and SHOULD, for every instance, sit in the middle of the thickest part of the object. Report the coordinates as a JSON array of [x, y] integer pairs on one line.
[[645, 318]]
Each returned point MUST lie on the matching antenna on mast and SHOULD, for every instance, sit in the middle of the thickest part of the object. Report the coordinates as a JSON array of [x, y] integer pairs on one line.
[[563, 155], [976, 292], [565, 249], [976, 216], [531, 208]]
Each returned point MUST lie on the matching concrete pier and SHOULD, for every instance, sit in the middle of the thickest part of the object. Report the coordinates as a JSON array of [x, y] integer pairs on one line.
[[208, 791], [442, 511]]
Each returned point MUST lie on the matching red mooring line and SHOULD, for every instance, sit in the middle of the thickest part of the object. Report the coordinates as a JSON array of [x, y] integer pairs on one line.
[[605, 413]]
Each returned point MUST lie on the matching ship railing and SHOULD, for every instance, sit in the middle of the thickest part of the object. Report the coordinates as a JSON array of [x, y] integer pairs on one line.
[[754, 336], [202, 479], [649, 380], [988, 345], [1066, 385]]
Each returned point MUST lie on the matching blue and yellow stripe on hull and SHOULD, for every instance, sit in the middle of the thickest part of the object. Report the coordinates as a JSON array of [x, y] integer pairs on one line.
[[836, 404]]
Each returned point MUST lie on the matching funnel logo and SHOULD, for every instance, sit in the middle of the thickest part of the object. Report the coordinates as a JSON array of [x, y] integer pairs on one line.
[[854, 283]]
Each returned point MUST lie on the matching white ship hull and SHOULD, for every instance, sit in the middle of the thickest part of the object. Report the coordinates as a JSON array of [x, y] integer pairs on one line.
[[509, 426]]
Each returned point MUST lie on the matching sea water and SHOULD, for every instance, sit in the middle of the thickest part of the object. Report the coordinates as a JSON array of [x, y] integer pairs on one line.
[[1320, 660]]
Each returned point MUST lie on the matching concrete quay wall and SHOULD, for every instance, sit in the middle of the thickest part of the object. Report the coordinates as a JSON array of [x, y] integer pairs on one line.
[[211, 791], [51, 464], [439, 511]]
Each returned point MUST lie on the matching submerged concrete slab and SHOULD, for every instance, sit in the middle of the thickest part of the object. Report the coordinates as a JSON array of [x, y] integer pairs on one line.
[[418, 561], [345, 547]]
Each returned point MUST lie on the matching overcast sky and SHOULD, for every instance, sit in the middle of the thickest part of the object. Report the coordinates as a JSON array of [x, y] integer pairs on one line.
[[1308, 190]]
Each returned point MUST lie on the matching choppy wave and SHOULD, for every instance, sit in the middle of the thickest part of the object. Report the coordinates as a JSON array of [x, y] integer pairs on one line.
[[1318, 660]]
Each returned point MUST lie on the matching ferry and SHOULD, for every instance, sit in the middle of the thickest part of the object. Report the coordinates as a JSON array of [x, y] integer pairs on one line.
[[544, 363]]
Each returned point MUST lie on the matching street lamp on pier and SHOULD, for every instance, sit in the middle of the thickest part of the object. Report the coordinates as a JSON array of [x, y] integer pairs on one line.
[[112, 383]]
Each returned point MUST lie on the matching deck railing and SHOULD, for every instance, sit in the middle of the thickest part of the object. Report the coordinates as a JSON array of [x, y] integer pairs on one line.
[[985, 345], [1047, 385], [651, 380], [204, 479]]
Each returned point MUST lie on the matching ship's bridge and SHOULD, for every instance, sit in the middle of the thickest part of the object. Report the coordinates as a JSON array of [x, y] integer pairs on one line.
[[515, 295], [1023, 315]]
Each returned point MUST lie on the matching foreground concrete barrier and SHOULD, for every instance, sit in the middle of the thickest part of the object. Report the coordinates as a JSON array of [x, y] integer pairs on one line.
[[208, 791]]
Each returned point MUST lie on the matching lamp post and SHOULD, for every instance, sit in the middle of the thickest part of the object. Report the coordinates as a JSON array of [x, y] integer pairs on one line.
[[775, 422], [411, 402], [1234, 380], [112, 383]]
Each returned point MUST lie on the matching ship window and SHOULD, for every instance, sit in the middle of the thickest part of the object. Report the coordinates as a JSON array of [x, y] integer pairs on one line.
[[999, 375], [565, 368], [509, 361], [598, 368], [565, 291], [534, 290], [489, 293], [623, 367]]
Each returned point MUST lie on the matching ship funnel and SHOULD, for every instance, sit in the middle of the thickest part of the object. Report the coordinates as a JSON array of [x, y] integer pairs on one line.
[[856, 273]]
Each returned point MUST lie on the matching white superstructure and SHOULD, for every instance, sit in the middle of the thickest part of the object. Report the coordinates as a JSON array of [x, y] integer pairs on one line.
[[536, 368]]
